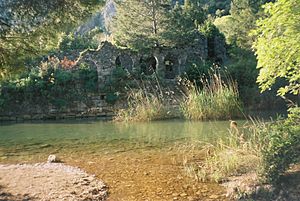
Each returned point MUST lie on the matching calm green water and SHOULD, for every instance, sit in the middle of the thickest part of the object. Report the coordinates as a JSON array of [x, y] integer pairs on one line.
[[17, 140]]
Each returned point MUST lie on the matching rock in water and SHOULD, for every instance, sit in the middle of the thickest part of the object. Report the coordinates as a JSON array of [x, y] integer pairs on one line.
[[52, 159]]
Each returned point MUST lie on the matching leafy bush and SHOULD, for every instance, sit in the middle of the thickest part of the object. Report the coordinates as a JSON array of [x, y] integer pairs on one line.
[[282, 147], [72, 42], [111, 97], [196, 70], [117, 85], [50, 85], [88, 78]]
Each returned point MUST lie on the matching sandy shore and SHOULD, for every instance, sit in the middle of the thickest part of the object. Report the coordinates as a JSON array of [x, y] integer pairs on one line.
[[49, 181]]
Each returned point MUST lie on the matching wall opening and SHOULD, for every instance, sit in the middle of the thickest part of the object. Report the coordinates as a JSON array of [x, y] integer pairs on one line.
[[118, 62], [171, 66], [124, 61], [148, 65]]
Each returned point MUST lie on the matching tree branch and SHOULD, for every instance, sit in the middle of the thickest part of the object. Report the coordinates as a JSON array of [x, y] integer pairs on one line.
[[2, 22]]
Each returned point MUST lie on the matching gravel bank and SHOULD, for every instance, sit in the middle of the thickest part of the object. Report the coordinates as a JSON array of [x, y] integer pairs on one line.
[[49, 181]]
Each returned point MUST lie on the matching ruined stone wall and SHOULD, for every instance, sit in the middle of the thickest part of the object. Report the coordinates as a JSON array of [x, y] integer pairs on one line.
[[166, 62], [95, 107]]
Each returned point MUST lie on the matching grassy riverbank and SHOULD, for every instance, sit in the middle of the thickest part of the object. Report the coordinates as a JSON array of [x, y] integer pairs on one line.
[[264, 150]]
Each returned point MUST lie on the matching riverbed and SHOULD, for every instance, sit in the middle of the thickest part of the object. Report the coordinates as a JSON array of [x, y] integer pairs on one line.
[[138, 161]]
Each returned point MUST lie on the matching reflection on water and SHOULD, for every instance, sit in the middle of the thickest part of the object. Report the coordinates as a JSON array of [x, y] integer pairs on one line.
[[104, 135]]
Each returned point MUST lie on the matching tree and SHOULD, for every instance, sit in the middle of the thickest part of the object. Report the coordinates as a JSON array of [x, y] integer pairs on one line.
[[242, 19], [32, 28], [146, 24], [183, 23], [216, 7], [277, 46], [139, 24]]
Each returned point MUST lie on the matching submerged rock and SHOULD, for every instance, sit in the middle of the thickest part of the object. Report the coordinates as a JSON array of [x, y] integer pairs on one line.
[[53, 159]]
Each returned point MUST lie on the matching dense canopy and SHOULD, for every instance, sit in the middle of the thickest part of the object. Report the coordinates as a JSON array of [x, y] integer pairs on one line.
[[31, 28], [277, 46]]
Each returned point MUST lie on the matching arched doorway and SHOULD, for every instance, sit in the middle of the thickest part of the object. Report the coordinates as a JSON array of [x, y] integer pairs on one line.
[[171, 66], [148, 65], [124, 61]]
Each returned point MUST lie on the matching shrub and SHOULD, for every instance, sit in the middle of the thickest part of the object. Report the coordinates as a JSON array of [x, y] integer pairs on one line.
[[281, 148], [48, 85], [112, 98], [72, 42], [197, 70], [116, 86], [88, 78]]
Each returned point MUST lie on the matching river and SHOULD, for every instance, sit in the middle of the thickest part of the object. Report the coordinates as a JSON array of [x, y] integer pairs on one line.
[[138, 161]]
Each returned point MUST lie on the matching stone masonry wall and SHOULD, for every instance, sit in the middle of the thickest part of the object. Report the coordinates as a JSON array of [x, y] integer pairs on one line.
[[95, 108]]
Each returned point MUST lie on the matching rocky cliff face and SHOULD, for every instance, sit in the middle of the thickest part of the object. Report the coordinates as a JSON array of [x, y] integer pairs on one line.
[[101, 19]]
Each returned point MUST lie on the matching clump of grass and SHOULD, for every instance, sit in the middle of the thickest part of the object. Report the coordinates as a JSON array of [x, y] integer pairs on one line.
[[240, 153], [148, 102], [142, 106], [216, 100], [265, 149]]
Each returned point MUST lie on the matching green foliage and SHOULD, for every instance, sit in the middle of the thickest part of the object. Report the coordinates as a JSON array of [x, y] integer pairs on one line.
[[294, 114], [242, 68], [50, 86], [160, 25], [111, 97], [29, 29], [136, 31], [282, 147], [88, 79], [277, 46], [196, 70], [216, 7], [242, 19], [76, 43], [183, 23], [116, 86], [225, 25], [209, 30], [242, 62]]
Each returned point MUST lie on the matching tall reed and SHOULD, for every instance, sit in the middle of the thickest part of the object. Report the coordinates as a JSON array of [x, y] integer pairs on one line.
[[216, 100], [148, 102], [142, 106]]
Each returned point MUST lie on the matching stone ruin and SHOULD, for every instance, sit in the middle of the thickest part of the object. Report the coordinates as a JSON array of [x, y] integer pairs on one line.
[[168, 63]]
